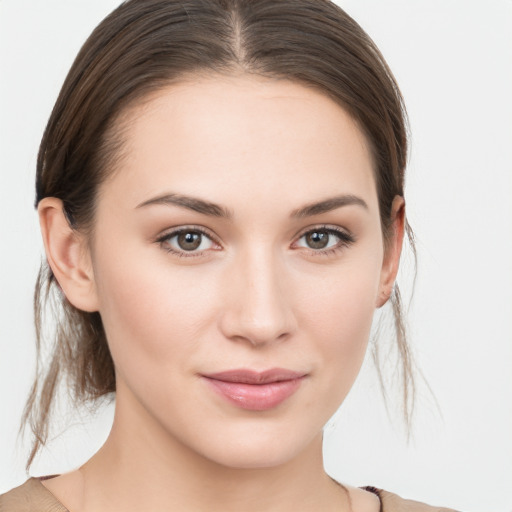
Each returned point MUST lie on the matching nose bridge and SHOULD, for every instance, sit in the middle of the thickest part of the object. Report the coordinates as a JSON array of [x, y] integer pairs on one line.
[[259, 309]]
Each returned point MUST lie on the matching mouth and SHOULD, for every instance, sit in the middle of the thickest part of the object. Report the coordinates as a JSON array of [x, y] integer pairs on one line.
[[255, 391]]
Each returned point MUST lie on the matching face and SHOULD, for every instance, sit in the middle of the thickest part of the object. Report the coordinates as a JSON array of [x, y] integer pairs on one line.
[[238, 259]]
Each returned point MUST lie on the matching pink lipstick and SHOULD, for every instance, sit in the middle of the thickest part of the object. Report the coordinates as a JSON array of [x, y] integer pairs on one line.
[[255, 391]]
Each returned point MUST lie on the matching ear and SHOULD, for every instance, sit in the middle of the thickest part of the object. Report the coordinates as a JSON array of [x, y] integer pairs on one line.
[[393, 249], [68, 255]]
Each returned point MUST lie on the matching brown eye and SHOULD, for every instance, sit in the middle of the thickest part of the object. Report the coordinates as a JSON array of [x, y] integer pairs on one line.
[[317, 239], [183, 241], [324, 239], [189, 240]]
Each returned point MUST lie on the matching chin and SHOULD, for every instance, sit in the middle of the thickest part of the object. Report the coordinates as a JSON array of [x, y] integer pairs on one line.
[[256, 458], [261, 449]]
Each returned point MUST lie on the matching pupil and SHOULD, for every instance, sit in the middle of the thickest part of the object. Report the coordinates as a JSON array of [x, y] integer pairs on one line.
[[189, 241], [317, 239]]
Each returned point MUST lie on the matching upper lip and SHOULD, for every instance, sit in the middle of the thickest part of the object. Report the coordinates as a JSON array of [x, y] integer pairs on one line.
[[246, 376]]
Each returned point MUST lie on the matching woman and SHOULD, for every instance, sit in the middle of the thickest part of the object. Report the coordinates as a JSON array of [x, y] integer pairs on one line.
[[220, 192]]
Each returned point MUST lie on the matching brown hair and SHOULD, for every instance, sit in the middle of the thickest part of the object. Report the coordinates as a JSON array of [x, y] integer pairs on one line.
[[146, 44]]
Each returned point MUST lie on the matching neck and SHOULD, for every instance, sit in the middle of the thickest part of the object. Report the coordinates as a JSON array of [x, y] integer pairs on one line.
[[142, 467]]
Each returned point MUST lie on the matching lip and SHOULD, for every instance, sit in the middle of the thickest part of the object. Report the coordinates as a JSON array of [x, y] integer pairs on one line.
[[253, 390]]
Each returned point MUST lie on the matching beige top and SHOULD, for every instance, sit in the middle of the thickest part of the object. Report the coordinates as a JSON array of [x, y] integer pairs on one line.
[[33, 496]]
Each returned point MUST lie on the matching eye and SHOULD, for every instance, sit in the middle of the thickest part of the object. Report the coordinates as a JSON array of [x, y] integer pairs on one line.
[[324, 239], [188, 240]]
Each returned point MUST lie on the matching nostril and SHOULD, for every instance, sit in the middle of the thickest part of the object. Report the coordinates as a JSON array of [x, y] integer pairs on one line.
[[258, 334]]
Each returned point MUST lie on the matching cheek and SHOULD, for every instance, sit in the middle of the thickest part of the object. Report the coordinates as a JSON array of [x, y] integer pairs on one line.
[[151, 314], [344, 300], [338, 315]]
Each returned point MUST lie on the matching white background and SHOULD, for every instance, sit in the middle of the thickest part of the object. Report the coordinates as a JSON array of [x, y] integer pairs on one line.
[[453, 61]]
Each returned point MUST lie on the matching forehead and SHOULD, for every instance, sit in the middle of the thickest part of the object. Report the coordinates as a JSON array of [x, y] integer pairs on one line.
[[242, 137]]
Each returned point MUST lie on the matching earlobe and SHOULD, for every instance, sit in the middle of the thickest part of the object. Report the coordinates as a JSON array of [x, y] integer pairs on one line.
[[67, 255], [392, 251]]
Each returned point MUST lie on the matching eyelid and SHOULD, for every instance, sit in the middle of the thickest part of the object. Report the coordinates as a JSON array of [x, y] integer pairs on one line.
[[346, 238], [333, 228], [172, 232]]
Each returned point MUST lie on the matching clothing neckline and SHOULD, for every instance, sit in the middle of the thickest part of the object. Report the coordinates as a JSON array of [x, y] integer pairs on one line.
[[41, 479], [375, 491]]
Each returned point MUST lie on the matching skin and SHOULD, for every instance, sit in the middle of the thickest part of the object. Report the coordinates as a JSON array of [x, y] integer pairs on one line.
[[253, 295]]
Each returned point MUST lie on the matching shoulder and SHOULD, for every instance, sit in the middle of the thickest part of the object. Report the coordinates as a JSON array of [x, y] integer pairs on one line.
[[32, 496], [392, 503]]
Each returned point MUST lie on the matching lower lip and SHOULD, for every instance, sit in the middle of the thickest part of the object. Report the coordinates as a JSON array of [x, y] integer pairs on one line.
[[255, 397]]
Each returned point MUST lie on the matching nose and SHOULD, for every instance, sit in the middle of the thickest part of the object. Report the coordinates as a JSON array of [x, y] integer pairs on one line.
[[258, 308]]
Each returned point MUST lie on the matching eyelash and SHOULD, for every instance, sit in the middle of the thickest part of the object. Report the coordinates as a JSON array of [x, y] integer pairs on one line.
[[345, 240], [187, 229]]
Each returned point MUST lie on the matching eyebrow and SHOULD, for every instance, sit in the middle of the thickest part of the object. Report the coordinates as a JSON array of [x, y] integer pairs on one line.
[[191, 203], [328, 205], [215, 210]]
